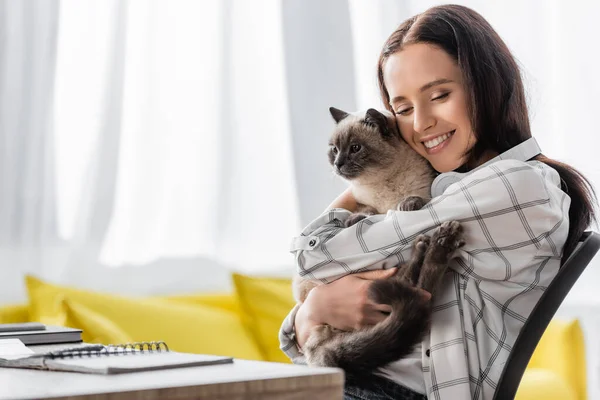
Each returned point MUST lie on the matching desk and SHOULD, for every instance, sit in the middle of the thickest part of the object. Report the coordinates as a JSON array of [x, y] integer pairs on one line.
[[238, 381]]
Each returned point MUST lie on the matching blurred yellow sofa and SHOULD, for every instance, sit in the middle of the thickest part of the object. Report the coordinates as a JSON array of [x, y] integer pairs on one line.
[[244, 324]]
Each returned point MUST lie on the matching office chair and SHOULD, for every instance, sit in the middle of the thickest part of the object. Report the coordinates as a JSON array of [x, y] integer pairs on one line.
[[542, 313]]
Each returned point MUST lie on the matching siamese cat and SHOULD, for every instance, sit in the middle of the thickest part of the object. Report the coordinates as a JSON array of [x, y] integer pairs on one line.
[[385, 173]]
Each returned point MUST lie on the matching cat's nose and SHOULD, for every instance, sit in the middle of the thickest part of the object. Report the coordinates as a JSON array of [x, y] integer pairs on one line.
[[339, 163]]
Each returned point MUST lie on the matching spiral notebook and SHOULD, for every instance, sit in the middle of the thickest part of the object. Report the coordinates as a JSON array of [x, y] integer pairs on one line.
[[106, 360]]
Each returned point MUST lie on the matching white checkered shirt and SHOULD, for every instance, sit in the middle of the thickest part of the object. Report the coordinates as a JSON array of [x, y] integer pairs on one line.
[[515, 219]]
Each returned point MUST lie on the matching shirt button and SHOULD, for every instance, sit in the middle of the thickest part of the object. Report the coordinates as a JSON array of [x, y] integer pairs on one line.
[[312, 242], [428, 353]]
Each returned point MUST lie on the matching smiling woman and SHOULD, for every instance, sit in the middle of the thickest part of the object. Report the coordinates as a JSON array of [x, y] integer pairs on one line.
[[458, 100], [483, 110]]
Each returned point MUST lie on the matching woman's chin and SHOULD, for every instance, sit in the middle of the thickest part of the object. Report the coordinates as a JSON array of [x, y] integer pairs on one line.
[[445, 165]]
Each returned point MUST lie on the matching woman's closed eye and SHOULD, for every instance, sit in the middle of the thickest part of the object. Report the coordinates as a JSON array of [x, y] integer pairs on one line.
[[404, 111], [407, 110], [441, 96]]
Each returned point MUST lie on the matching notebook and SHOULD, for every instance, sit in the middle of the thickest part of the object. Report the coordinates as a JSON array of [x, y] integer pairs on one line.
[[36, 333], [106, 360]]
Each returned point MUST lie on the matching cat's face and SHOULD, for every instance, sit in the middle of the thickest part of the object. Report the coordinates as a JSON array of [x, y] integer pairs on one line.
[[362, 144]]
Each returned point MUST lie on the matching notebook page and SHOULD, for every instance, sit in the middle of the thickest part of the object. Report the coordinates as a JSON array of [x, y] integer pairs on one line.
[[14, 348], [13, 353]]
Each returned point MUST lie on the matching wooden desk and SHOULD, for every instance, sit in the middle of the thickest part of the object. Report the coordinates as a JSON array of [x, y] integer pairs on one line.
[[240, 380]]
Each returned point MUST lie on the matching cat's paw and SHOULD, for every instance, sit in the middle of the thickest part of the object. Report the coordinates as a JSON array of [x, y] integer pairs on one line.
[[411, 203], [421, 244], [449, 235], [324, 332], [319, 335], [354, 219], [315, 349]]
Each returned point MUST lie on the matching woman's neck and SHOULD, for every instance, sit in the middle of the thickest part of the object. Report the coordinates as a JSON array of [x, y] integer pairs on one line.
[[468, 166]]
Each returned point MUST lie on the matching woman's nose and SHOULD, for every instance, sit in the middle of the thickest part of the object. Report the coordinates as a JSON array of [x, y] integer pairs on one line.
[[423, 120]]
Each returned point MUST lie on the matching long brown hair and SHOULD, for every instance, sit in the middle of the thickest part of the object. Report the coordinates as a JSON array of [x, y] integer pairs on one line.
[[497, 102]]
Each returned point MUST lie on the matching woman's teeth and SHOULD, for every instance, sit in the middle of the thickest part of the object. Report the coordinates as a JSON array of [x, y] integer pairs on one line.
[[434, 142]]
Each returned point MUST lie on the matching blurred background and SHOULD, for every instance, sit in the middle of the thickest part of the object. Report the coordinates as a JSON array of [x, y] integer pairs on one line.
[[151, 147]]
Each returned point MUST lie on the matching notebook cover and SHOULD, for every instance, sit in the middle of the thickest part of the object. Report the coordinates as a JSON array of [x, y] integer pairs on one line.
[[51, 335]]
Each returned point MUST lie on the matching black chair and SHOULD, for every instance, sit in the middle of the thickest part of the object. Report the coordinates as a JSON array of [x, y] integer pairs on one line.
[[542, 313]]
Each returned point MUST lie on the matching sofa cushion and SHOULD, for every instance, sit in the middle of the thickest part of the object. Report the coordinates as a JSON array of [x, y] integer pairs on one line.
[[188, 327], [562, 351], [96, 327], [544, 384], [14, 313], [266, 302]]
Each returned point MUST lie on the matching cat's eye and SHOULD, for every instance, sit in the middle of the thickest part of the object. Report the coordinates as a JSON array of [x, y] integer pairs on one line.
[[334, 150], [355, 148]]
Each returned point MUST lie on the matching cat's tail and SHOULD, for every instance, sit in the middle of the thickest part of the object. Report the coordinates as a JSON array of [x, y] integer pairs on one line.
[[361, 352]]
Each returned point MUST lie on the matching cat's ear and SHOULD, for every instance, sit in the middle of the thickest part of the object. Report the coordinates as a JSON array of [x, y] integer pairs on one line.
[[378, 120], [337, 115]]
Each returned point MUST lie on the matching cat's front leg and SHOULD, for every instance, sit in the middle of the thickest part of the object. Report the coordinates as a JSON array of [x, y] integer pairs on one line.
[[411, 203], [445, 240], [362, 213], [412, 269]]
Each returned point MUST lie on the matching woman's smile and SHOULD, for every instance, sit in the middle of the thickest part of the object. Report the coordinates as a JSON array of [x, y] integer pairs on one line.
[[438, 143]]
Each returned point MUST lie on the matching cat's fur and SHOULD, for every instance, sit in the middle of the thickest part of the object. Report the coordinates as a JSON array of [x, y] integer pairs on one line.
[[385, 173]]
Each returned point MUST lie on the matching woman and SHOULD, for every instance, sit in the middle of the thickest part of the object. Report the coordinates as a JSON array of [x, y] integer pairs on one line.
[[459, 101]]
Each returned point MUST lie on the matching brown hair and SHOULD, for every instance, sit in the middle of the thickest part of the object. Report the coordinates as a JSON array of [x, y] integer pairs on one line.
[[497, 103]]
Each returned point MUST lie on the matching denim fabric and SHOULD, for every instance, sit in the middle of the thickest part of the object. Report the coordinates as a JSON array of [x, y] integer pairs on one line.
[[377, 388]]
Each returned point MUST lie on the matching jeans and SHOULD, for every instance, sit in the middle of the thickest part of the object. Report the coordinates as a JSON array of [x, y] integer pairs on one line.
[[377, 388]]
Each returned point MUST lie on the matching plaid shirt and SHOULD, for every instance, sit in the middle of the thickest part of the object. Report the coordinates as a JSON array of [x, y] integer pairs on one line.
[[515, 219]]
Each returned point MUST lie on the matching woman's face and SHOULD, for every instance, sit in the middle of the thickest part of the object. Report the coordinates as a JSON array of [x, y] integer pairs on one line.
[[428, 96]]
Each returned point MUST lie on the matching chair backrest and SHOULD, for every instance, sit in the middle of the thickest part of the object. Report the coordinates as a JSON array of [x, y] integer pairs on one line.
[[542, 313]]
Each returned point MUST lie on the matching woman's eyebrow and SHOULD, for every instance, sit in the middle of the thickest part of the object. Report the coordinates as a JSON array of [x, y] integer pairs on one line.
[[424, 88]]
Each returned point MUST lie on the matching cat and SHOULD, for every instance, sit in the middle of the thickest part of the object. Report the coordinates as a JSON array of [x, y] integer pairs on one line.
[[385, 173]]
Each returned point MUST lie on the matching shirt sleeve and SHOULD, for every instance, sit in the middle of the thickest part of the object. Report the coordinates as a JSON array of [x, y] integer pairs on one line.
[[287, 338], [509, 210]]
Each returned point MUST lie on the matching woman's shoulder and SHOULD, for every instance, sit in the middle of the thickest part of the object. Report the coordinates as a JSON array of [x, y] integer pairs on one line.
[[505, 183], [519, 173]]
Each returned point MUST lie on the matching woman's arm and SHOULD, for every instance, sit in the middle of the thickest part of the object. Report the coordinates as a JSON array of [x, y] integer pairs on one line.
[[509, 211], [345, 200], [343, 304]]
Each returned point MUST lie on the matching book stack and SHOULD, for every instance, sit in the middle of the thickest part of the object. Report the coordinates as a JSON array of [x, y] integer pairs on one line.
[[37, 333]]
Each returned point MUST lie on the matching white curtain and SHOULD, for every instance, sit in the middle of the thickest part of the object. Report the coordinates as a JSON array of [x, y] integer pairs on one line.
[[194, 106], [146, 144], [28, 234]]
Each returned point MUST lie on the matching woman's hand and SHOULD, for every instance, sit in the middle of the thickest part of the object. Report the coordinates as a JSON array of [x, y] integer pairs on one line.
[[343, 304]]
